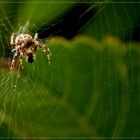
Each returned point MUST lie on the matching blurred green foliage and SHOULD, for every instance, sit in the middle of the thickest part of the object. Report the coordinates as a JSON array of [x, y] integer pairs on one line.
[[90, 89]]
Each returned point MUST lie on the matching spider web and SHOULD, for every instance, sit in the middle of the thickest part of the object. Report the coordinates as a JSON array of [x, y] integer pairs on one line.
[[39, 102]]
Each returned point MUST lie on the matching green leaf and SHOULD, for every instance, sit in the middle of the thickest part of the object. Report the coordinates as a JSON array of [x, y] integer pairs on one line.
[[90, 89]]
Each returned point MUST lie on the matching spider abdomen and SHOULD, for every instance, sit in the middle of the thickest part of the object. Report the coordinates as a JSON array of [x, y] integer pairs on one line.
[[30, 58]]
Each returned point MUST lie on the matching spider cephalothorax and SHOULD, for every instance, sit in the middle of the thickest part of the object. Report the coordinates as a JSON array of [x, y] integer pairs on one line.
[[24, 46]]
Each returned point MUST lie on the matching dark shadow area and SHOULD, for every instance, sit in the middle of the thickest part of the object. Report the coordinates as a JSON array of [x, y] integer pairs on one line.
[[70, 23], [136, 32]]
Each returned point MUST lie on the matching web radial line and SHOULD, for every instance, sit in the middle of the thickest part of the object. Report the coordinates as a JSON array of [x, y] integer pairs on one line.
[[99, 8], [7, 98]]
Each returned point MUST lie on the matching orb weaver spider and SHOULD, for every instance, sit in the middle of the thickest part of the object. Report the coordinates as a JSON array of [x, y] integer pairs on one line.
[[24, 46]]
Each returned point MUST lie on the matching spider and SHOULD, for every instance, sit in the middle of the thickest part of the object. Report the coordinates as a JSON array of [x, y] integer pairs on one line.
[[24, 46]]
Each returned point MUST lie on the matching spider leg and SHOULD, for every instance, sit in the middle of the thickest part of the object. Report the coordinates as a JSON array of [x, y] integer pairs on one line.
[[21, 64], [13, 50], [12, 41], [21, 54], [44, 48], [36, 36], [47, 51], [13, 61]]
